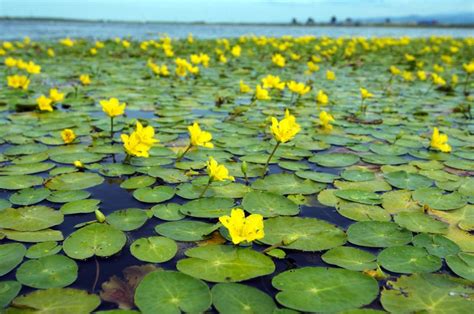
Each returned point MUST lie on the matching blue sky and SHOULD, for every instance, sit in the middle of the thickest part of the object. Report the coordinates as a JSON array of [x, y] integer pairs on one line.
[[229, 10]]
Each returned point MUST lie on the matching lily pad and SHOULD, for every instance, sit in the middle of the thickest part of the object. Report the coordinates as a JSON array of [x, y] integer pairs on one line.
[[11, 254], [420, 222], [74, 181], [127, 219], [224, 263], [186, 230], [154, 195], [54, 271], [18, 182], [305, 234], [378, 234], [29, 196], [171, 292], [56, 300], [209, 207], [359, 196], [154, 249], [407, 181], [269, 204], [31, 218], [94, 239], [80, 207], [436, 199], [332, 160], [408, 259], [8, 291], [462, 264], [229, 298], [137, 182], [350, 258], [284, 184], [319, 289]]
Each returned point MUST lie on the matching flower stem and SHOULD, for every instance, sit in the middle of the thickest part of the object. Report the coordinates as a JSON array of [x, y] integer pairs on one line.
[[205, 189], [112, 128], [127, 159], [465, 84], [184, 153], [269, 158]]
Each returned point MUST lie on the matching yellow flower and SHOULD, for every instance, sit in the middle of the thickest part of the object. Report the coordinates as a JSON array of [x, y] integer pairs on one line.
[[409, 57], [21, 64], [146, 134], [330, 75], [365, 93], [125, 43], [278, 60], [312, 67], [204, 59], [99, 45], [199, 137], [421, 75], [394, 70], [243, 228], [273, 81], [469, 68], [244, 88], [440, 141], [50, 52], [196, 59], [164, 70], [68, 136], [113, 107], [44, 103], [295, 56], [93, 51], [78, 164], [85, 79], [67, 42], [55, 95], [438, 80], [18, 81], [133, 146], [261, 93], [10, 62], [325, 119], [217, 172], [322, 98], [454, 79], [407, 76], [236, 51], [222, 59], [298, 88], [286, 129]]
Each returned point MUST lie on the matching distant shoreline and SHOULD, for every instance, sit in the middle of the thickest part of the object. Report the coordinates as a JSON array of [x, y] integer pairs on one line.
[[263, 24]]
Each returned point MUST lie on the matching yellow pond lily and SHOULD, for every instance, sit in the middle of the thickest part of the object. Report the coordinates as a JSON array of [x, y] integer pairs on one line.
[[286, 129], [68, 136], [217, 172], [440, 141], [241, 228]]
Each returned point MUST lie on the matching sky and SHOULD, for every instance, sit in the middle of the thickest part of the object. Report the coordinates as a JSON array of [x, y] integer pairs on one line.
[[229, 10]]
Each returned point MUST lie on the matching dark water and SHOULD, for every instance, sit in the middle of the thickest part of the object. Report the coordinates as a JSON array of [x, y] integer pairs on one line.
[[17, 29]]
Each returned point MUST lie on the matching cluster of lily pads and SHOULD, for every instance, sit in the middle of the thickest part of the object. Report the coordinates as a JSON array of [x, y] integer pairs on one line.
[[356, 155]]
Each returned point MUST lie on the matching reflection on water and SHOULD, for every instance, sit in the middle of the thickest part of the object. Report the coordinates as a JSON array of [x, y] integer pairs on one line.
[[16, 29]]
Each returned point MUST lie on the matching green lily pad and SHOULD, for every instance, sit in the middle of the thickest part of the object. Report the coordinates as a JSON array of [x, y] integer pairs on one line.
[[154, 195], [356, 175], [359, 196], [94, 239], [33, 236], [80, 207], [56, 300], [408, 259], [420, 222], [284, 184], [269, 204], [407, 181], [462, 264], [317, 176], [350, 258], [436, 244], [154, 249], [68, 196], [18, 182], [31, 218], [305, 234], [436, 199], [186, 230], [319, 289], [137, 182], [54, 271], [168, 175], [332, 160], [378, 234], [43, 249], [432, 293], [229, 298], [29, 196], [224, 263], [171, 292], [168, 212], [209, 207], [362, 212], [11, 254], [74, 181], [8, 291], [127, 219]]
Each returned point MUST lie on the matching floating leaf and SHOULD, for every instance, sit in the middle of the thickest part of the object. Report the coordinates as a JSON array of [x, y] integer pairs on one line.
[[11, 254], [408, 259], [237, 298], [154, 249], [269, 204], [377, 234], [74, 181], [30, 218]]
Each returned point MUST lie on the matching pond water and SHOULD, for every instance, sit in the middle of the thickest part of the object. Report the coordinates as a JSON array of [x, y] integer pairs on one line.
[[371, 183]]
